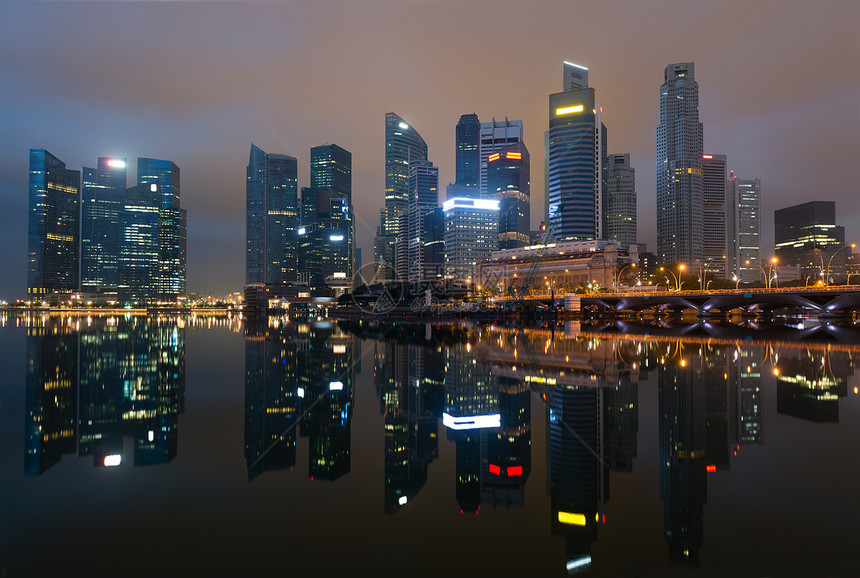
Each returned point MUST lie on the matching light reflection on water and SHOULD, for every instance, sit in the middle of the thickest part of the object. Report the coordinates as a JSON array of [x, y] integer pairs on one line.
[[547, 421]]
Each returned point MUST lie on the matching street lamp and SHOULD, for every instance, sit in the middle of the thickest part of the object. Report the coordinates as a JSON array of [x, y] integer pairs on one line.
[[737, 280], [676, 278], [852, 245], [620, 273]]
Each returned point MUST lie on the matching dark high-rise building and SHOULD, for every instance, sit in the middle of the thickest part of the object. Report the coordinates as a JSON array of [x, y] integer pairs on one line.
[[468, 155], [138, 265], [807, 235], [508, 182], [575, 157], [271, 218], [53, 227], [619, 212], [403, 145], [433, 234], [496, 136], [714, 239], [679, 168], [173, 225], [102, 199], [743, 228], [324, 253], [331, 168], [423, 199]]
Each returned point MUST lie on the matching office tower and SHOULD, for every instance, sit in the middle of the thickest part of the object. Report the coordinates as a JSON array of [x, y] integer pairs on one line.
[[324, 253], [575, 156], [468, 155], [401, 247], [331, 168], [508, 183], [471, 234], [743, 229], [102, 198], [433, 234], [403, 145], [173, 226], [423, 198], [495, 136], [138, 247], [807, 235], [271, 218], [679, 168], [714, 238], [619, 214], [53, 226]]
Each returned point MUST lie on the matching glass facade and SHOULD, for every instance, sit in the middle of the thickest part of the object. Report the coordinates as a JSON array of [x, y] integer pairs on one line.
[[471, 234], [53, 226], [423, 198], [102, 197], [807, 235], [619, 215], [714, 240], [679, 168], [468, 155], [271, 218], [331, 168], [139, 238], [508, 183]]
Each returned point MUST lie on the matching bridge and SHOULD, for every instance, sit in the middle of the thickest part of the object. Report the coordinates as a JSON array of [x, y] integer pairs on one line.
[[833, 301]]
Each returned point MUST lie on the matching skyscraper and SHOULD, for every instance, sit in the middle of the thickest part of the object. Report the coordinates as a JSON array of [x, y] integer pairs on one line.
[[324, 254], [495, 136], [138, 247], [53, 226], [807, 235], [679, 168], [471, 234], [575, 155], [714, 240], [272, 217], [508, 183], [619, 214], [743, 228], [468, 155], [403, 144], [331, 168], [170, 278], [423, 198], [102, 197]]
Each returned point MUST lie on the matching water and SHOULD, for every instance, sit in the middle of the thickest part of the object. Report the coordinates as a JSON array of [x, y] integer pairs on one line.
[[214, 446]]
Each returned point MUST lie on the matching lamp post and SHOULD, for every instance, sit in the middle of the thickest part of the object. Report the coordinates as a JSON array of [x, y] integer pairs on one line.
[[769, 273], [620, 273], [829, 261], [737, 280], [676, 278]]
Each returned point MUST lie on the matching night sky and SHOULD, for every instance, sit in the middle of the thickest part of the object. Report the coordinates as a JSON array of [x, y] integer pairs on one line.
[[198, 82]]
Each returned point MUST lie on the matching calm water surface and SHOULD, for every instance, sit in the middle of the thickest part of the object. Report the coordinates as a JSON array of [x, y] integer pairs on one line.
[[215, 446]]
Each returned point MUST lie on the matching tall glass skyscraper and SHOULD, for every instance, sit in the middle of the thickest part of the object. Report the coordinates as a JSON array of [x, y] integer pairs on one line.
[[170, 279], [575, 156], [468, 155], [423, 198], [619, 215], [103, 195], [714, 241], [138, 257], [271, 218], [679, 168], [53, 226], [496, 136], [508, 182], [403, 144], [331, 168]]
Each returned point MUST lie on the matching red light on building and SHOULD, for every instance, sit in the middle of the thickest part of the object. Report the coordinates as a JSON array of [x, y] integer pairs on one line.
[[493, 157], [515, 471], [494, 469], [707, 156], [710, 469], [514, 155]]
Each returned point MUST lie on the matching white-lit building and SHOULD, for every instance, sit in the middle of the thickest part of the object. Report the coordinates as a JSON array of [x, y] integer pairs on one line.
[[471, 235]]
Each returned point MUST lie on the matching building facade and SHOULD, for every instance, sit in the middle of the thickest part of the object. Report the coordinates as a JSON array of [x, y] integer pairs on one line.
[[807, 235], [619, 213], [714, 212], [423, 198], [743, 229], [331, 168], [272, 217], [403, 144], [102, 199], [468, 155], [575, 156], [496, 136], [471, 234], [679, 168], [53, 236], [508, 182]]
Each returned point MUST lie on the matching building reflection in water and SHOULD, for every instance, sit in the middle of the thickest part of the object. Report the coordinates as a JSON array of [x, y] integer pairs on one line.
[[92, 384], [299, 381]]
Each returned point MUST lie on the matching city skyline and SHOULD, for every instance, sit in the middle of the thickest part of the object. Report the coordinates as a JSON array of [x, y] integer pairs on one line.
[[188, 97]]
